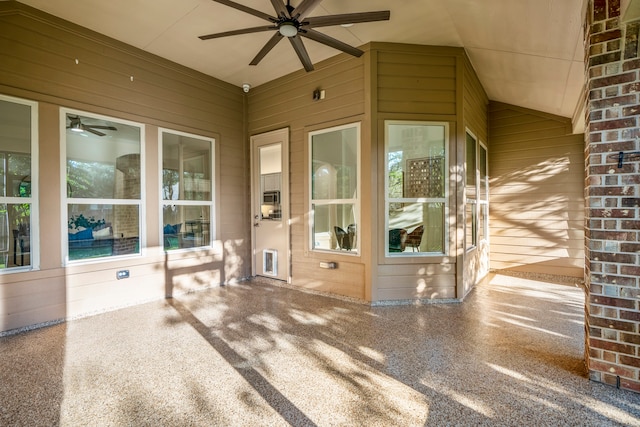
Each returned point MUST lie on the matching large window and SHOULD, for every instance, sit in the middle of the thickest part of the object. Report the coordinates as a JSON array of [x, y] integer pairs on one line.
[[471, 193], [187, 190], [416, 187], [335, 198], [103, 184], [476, 192], [18, 194]]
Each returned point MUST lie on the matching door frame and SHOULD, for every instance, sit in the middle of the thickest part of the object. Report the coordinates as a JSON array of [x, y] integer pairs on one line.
[[276, 136]]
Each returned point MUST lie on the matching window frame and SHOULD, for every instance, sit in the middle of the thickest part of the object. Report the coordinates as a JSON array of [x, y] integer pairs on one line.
[[471, 201], [66, 200], [445, 200], [34, 226], [357, 202], [211, 203], [483, 203]]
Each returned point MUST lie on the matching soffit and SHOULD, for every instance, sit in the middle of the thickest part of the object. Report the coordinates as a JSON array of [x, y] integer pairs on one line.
[[526, 52]]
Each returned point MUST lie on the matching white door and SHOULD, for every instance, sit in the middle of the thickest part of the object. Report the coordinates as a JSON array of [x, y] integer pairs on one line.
[[270, 204]]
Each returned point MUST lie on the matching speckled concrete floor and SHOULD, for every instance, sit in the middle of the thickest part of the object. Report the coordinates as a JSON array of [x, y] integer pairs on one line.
[[255, 354]]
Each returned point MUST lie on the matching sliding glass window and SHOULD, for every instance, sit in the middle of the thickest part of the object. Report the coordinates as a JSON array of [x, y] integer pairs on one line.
[[18, 194], [103, 181], [335, 200], [416, 188], [187, 190]]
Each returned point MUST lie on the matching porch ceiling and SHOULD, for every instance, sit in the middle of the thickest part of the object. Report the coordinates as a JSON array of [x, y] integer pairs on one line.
[[526, 52]]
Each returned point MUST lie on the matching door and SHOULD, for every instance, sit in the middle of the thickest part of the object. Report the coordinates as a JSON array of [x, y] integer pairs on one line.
[[270, 204]]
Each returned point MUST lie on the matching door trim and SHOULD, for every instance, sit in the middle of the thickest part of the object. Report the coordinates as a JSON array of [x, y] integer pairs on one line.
[[276, 136]]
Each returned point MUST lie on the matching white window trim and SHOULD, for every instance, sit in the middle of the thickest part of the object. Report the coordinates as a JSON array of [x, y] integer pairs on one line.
[[444, 199], [356, 202], [35, 187], [472, 246], [481, 201], [64, 233], [212, 203]]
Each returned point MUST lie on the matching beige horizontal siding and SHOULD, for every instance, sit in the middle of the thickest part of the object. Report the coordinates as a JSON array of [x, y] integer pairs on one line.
[[342, 79], [536, 192], [39, 54]]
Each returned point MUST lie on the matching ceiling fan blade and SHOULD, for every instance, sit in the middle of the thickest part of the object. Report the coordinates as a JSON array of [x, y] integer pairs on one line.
[[304, 8], [331, 42], [237, 32], [246, 9], [93, 131], [267, 48], [280, 8], [296, 42], [100, 127], [347, 18]]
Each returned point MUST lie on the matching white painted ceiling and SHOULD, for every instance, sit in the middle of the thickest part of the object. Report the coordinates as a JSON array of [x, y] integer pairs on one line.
[[526, 52]]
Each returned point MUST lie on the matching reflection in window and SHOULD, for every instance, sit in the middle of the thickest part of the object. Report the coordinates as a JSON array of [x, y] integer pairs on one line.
[[416, 182], [334, 188], [103, 186], [17, 197], [187, 190]]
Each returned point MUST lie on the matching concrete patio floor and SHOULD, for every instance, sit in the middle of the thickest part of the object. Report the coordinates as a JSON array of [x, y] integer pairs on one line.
[[254, 354]]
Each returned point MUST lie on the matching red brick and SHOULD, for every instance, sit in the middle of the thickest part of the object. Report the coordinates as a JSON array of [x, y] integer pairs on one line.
[[614, 257], [613, 8], [634, 316], [631, 111], [613, 102], [630, 225], [631, 88], [630, 338], [615, 324], [631, 65], [605, 59], [630, 385], [612, 124], [613, 80], [631, 270], [612, 369]]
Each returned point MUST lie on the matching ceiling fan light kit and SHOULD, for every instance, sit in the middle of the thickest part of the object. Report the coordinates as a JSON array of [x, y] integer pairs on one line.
[[292, 23]]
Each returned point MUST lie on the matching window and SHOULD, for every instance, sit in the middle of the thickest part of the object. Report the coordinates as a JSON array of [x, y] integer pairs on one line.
[[471, 193], [483, 202], [416, 187], [187, 190], [335, 188], [18, 195], [103, 186]]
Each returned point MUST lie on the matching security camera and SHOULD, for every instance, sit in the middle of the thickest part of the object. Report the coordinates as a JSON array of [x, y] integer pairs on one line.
[[246, 87]]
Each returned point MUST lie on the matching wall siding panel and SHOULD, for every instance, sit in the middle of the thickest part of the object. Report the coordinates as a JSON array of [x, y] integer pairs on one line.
[[287, 102], [536, 183], [38, 54]]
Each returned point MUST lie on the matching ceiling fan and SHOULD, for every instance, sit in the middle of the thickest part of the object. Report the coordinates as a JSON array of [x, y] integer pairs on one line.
[[76, 125], [291, 22]]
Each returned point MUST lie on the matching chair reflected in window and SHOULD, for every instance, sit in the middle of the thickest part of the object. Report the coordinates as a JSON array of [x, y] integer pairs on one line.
[[397, 239], [414, 239], [346, 239]]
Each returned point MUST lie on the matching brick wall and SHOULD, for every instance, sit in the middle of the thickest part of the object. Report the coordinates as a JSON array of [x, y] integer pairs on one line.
[[612, 229]]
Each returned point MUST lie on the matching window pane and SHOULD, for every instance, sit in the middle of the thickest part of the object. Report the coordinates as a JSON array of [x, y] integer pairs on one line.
[[416, 161], [471, 237], [186, 226], [484, 184], [15, 181], [186, 167], [103, 158], [334, 227], [471, 163], [416, 227], [96, 231], [335, 164], [483, 221], [15, 235]]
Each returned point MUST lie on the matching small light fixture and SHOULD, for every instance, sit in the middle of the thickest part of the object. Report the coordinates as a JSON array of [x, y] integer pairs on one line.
[[288, 29], [76, 126], [346, 25]]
